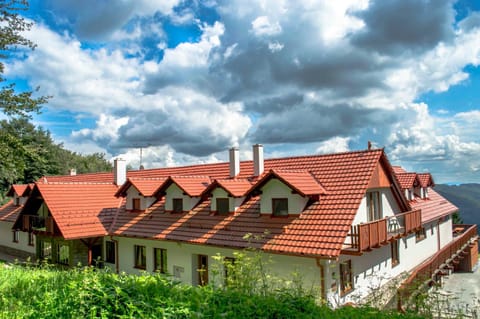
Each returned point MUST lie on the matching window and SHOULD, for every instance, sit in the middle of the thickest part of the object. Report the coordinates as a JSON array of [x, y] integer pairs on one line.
[[280, 207], [140, 257], [177, 205], [110, 251], [135, 203], [15, 236], [374, 207], [395, 253], [420, 234], [346, 277], [202, 270], [229, 268], [31, 238], [45, 249], [222, 206], [160, 260], [17, 201], [63, 254]]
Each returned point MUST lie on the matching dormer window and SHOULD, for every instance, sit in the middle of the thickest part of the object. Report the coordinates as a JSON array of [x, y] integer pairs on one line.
[[17, 201], [177, 205], [223, 206], [135, 203], [279, 206]]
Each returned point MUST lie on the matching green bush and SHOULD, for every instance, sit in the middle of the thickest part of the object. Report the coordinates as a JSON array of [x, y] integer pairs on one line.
[[46, 292]]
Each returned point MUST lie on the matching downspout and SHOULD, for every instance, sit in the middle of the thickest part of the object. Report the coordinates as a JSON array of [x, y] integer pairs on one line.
[[117, 267], [322, 280]]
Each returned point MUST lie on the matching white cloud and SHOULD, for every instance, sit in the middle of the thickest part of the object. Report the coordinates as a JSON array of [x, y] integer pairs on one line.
[[334, 145], [262, 26]]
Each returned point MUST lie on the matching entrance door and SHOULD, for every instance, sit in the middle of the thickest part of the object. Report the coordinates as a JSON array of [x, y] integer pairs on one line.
[[202, 269], [97, 255]]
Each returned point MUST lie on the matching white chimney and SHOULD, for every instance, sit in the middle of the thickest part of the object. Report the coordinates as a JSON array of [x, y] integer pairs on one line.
[[73, 172], [257, 159], [119, 171], [234, 162]]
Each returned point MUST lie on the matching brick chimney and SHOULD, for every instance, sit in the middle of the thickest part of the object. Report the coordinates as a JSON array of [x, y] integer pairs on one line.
[[234, 162], [258, 159], [119, 171]]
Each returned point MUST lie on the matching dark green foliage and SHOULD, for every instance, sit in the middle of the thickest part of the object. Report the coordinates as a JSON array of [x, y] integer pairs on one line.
[[30, 153], [27, 292]]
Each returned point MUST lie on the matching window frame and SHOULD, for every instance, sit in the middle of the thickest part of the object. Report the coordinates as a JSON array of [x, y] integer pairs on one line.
[[16, 236], [219, 212], [346, 277], [175, 202], [160, 264], [136, 204], [59, 259], [395, 253], [420, 235], [276, 213], [31, 239], [374, 206], [110, 252], [139, 257]]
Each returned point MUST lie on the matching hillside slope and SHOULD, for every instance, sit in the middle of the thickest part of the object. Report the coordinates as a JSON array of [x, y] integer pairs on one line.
[[466, 197]]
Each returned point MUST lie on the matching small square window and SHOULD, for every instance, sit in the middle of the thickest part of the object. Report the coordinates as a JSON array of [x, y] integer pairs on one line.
[[280, 207], [135, 203], [177, 205], [420, 234], [222, 206]]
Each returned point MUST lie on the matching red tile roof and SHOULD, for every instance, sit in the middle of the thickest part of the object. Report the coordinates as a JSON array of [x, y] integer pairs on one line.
[[407, 180], [301, 181], [433, 207], [19, 189], [193, 185], [235, 187], [81, 210], [146, 186], [425, 179], [9, 212], [318, 231], [398, 169]]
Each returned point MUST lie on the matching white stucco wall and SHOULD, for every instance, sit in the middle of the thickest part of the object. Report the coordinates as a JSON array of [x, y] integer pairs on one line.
[[6, 238], [182, 261], [173, 191], [446, 234], [276, 189], [387, 202], [145, 202]]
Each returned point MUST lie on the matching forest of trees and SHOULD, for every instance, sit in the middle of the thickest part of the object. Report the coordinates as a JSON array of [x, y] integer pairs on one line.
[[28, 152]]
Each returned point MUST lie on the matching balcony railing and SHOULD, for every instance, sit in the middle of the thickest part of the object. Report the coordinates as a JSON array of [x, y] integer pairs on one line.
[[38, 223], [370, 235], [446, 257]]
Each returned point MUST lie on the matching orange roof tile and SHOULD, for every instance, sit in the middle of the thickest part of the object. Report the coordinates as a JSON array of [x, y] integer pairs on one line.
[[425, 179], [80, 210], [19, 189], [235, 187], [407, 180], [9, 212], [146, 186], [318, 231], [433, 207], [193, 185], [398, 169]]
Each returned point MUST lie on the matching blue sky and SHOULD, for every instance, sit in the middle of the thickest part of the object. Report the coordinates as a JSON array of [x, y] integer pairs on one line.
[[186, 80]]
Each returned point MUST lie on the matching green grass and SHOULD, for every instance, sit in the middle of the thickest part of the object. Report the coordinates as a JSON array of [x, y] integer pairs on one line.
[[44, 292]]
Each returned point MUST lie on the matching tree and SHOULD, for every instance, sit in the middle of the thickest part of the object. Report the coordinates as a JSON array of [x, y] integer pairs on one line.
[[12, 25]]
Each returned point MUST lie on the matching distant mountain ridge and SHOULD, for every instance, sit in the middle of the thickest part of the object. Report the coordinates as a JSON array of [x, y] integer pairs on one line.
[[466, 197]]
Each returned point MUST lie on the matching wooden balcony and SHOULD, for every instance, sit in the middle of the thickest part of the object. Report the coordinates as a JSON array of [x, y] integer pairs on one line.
[[38, 224], [445, 259], [366, 236]]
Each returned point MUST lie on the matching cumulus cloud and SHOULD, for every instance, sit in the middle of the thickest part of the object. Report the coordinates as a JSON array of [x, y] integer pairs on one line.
[[317, 74]]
